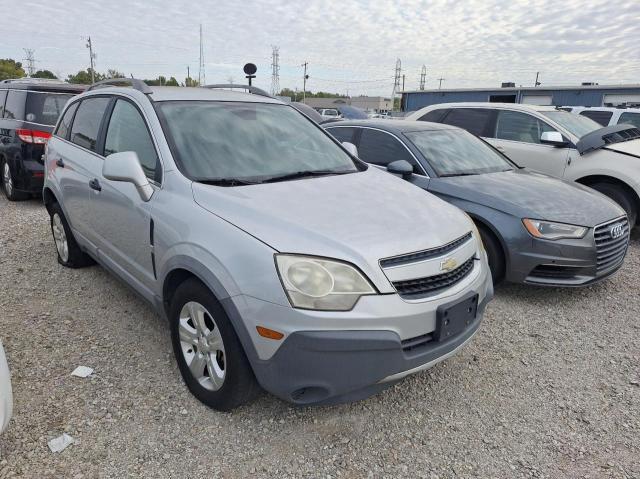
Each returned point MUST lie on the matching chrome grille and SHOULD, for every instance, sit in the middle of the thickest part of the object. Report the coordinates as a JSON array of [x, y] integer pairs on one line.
[[611, 251], [421, 287], [426, 254]]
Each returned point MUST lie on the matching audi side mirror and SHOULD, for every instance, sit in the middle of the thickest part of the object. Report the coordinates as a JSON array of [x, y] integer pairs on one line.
[[125, 166], [400, 167], [553, 138]]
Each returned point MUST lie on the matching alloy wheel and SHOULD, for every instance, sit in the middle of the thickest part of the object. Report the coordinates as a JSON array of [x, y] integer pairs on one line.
[[6, 178], [60, 237], [202, 346]]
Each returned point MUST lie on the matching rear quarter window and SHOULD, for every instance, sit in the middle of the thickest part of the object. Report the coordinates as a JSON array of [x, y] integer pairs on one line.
[[602, 117], [434, 115], [628, 119], [45, 107], [14, 106], [3, 97], [474, 120]]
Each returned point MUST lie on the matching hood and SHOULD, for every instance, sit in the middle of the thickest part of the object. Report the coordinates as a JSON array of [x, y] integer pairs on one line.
[[631, 148], [527, 194], [608, 136], [365, 216]]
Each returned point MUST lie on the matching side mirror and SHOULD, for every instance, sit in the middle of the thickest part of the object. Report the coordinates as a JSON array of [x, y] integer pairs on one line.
[[400, 167], [351, 148], [125, 166], [553, 138]]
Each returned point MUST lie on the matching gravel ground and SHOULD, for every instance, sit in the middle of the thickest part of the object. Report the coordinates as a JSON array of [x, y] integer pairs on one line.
[[550, 387]]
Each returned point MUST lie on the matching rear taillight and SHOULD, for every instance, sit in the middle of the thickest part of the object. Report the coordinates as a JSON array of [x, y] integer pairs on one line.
[[33, 136]]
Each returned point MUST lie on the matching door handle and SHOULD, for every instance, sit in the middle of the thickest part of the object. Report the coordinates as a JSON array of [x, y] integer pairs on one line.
[[60, 162], [95, 185]]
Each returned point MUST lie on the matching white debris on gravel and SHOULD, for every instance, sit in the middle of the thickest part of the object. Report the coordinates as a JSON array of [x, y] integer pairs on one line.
[[82, 372], [546, 389], [60, 443]]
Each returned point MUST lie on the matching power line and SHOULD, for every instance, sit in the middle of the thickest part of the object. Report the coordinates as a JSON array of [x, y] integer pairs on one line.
[[396, 83], [275, 71], [31, 61]]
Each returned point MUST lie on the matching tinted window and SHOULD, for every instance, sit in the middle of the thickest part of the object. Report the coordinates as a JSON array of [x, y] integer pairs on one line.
[[128, 132], [342, 134], [434, 116], [3, 97], [602, 117], [381, 148], [516, 126], [456, 152], [474, 120], [45, 108], [14, 107], [86, 124], [65, 123], [628, 118], [247, 141]]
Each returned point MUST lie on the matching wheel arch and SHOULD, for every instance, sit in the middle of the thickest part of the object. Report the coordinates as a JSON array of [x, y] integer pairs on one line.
[[49, 198], [483, 223], [594, 179]]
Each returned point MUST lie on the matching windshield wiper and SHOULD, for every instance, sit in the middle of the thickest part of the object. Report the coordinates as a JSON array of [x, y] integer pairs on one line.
[[304, 174], [449, 175], [227, 181]]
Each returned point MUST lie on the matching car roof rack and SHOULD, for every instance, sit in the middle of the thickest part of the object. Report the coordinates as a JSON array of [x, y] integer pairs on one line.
[[135, 83], [249, 88], [33, 80]]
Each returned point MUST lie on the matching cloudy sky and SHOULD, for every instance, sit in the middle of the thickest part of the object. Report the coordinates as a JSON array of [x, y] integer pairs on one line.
[[350, 45]]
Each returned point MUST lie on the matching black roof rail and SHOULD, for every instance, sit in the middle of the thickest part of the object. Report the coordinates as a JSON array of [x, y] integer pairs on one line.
[[249, 88], [134, 82]]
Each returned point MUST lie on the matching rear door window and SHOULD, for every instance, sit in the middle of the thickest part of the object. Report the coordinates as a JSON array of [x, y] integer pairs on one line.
[[86, 123], [630, 119], [128, 132], [3, 97], [65, 123], [342, 134], [380, 148], [14, 106], [602, 117], [517, 126], [474, 120], [45, 107]]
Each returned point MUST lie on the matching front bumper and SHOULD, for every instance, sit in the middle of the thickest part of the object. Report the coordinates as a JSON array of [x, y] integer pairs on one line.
[[569, 263], [356, 358]]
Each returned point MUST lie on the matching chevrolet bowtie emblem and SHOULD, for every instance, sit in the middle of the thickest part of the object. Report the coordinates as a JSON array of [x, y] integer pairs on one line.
[[448, 264]]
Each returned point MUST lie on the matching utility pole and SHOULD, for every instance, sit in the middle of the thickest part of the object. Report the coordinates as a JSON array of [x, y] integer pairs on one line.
[[31, 61], [201, 73], [396, 83], [440, 84], [403, 82], [92, 57], [423, 77], [305, 77], [188, 79], [537, 82], [275, 71]]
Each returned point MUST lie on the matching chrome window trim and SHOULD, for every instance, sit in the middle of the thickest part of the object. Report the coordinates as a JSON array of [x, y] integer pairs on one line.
[[390, 134]]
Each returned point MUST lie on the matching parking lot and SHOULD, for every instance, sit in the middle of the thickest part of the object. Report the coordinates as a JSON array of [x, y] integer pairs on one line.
[[550, 387]]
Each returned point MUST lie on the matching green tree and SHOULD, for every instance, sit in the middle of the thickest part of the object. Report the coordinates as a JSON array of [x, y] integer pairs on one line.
[[190, 82], [113, 74], [83, 77], [45, 74], [10, 68], [172, 82]]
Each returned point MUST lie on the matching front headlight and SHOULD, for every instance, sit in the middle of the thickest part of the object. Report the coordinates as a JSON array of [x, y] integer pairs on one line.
[[322, 284], [553, 231]]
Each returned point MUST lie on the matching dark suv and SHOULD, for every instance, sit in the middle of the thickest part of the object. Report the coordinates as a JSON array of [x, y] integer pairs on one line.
[[29, 108]]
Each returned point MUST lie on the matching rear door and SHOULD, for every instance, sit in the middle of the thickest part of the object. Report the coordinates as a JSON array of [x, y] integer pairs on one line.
[[120, 219], [517, 135], [75, 160]]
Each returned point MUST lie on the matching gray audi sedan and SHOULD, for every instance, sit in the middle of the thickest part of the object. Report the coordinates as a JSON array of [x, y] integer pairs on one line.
[[536, 229]]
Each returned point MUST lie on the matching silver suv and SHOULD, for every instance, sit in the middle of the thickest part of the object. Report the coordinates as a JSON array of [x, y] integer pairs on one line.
[[279, 259]]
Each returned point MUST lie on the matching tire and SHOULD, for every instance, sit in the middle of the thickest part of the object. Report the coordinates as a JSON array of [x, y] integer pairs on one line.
[[8, 183], [69, 253], [620, 196], [210, 357], [495, 255]]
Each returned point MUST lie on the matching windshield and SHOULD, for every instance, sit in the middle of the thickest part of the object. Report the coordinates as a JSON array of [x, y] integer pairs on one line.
[[249, 142], [457, 152], [577, 125]]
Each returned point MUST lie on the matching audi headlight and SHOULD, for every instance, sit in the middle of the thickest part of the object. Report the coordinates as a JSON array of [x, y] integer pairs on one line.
[[321, 284], [553, 231]]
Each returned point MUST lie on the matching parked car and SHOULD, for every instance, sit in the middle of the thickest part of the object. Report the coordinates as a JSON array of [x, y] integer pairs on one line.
[[6, 396], [607, 116], [29, 108], [535, 228], [554, 142], [278, 258], [329, 113]]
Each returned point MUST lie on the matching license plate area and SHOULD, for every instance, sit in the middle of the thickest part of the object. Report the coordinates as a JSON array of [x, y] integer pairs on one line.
[[453, 318]]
